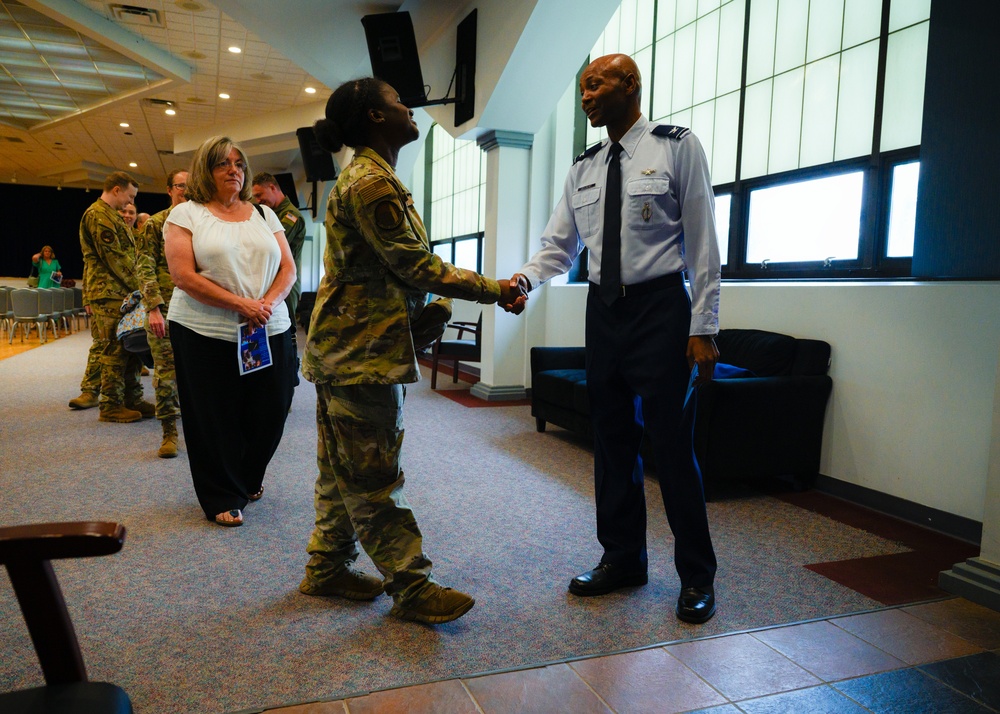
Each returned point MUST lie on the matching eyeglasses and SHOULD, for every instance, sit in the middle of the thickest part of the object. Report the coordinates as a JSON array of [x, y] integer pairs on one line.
[[178, 185], [228, 164]]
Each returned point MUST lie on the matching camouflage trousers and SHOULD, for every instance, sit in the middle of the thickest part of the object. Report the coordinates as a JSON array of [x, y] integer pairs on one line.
[[359, 491], [119, 369], [91, 382], [164, 374]]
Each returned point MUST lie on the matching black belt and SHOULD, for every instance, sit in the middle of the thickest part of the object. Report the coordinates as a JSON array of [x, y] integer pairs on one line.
[[663, 282]]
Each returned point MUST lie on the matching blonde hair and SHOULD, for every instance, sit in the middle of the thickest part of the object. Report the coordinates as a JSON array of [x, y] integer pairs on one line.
[[201, 182], [41, 253]]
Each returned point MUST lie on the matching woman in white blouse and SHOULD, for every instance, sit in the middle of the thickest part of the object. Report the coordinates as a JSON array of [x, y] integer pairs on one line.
[[231, 266]]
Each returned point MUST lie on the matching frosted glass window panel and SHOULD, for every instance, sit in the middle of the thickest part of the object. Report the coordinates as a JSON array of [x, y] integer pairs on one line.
[[906, 66], [706, 67], [465, 213], [756, 129], [723, 204], [786, 122], [819, 111], [826, 20], [760, 49], [644, 61], [703, 126], [687, 12], [862, 21], [441, 224], [707, 6], [645, 11], [856, 103], [790, 37], [666, 16], [663, 73], [910, 12], [444, 179], [903, 210], [730, 47], [684, 45], [626, 30], [727, 115], [467, 254], [806, 221]]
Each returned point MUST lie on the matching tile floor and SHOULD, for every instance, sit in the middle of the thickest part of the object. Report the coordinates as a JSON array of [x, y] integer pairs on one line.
[[934, 657]]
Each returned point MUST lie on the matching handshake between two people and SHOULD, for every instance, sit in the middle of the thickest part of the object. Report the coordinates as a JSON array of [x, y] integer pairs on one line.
[[514, 293]]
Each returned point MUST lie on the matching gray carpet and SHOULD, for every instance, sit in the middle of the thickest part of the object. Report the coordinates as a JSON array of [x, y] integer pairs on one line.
[[191, 617]]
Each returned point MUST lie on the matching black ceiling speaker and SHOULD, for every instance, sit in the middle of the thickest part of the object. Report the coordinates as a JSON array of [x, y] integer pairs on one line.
[[318, 162], [393, 53], [287, 185]]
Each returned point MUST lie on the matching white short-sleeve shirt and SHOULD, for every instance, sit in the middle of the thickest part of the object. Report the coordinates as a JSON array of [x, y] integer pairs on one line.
[[242, 257]]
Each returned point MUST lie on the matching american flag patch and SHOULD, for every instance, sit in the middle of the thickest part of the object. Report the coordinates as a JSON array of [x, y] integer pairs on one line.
[[377, 189]]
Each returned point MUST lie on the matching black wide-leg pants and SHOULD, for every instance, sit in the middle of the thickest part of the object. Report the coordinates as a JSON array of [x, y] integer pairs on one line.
[[232, 423], [637, 375]]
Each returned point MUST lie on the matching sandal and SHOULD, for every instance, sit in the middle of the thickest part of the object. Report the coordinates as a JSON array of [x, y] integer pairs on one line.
[[231, 518], [257, 496]]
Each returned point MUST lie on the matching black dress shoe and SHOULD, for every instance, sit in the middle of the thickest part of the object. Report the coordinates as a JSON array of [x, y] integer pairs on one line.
[[695, 605], [605, 578]]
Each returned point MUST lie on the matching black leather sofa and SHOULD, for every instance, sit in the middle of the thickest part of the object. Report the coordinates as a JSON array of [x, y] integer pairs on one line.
[[769, 425]]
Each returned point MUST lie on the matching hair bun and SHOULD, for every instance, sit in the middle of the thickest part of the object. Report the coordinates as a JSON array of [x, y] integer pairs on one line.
[[328, 135]]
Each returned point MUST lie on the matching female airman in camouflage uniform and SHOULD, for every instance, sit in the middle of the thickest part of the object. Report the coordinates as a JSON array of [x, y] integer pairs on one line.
[[361, 350]]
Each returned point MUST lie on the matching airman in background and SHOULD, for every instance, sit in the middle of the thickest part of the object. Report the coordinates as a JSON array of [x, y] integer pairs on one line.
[[109, 257], [156, 287]]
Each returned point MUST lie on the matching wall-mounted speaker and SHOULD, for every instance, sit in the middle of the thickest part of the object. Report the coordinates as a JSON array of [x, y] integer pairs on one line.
[[318, 162], [287, 185], [393, 53]]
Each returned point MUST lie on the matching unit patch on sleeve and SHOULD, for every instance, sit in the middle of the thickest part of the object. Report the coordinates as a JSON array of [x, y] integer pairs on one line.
[[388, 215], [107, 236]]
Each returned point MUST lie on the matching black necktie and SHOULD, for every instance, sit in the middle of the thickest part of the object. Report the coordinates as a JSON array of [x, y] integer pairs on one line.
[[611, 248]]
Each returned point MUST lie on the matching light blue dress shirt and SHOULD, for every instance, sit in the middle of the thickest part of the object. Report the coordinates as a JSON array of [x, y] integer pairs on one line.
[[668, 218]]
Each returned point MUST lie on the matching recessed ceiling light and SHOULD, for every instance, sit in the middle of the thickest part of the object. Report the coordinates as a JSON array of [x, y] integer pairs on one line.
[[310, 90], [123, 125], [170, 112], [223, 95], [132, 164], [235, 50]]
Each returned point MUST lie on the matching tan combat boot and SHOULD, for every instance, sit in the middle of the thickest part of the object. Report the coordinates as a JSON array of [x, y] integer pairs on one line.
[[168, 449], [435, 604], [147, 410], [86, 400], [119, 413], [350, 582]]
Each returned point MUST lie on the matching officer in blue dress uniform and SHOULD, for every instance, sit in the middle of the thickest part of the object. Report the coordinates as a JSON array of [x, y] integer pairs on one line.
[[642, 202]]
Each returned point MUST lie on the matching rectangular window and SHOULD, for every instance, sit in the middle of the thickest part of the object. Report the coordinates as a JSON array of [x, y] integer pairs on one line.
[[814, 220], [723, 205], [903, 210]]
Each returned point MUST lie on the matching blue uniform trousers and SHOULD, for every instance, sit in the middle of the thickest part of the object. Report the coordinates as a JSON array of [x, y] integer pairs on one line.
[[637, 375]]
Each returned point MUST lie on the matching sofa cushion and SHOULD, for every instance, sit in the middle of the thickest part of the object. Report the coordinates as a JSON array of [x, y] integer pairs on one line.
[[557, 385], [766, 354]]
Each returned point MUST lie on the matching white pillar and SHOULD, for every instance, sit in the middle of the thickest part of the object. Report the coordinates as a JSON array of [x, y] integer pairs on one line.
[[505, 248], [978, 579]]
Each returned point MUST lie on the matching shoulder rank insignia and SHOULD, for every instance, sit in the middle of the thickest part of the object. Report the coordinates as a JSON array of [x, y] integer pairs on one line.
[[589, 152], [670, 131]]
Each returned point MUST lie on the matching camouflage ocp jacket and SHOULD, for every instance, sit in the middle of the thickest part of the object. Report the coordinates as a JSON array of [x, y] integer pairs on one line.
[[379, 269]]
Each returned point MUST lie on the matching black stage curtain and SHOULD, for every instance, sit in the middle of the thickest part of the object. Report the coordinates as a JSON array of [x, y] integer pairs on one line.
[[44, 215]]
